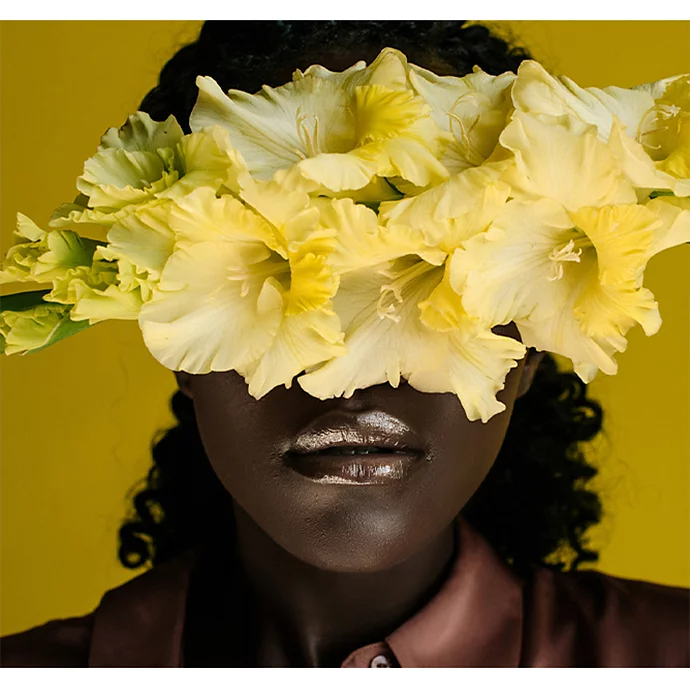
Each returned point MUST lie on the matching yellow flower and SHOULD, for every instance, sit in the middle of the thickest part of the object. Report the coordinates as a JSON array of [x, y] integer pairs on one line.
[[665, 133], [35, 327], [471, 110], [40, 256], [387, 340], [80, 279], [401, 317], [649, 125], [239, 293], [327, 132], [571, 281], [146, 160]]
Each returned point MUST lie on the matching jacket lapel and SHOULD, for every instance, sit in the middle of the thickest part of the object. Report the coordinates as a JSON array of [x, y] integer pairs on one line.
[[476, 618]]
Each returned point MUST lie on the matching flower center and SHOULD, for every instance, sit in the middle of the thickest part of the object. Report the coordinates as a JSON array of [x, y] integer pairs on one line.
[[391, 295], [569, 253], [308, 136], [257, 273]]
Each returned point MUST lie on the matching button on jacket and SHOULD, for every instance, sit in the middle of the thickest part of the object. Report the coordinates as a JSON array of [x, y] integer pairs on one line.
[[484, 615]]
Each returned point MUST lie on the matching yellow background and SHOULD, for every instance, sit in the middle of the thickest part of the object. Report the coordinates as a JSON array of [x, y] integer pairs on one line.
[[78, 418]]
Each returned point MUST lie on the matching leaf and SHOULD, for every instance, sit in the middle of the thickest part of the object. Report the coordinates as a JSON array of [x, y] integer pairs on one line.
[[23, 300]]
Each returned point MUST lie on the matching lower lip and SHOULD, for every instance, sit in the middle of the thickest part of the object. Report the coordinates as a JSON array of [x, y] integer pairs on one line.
[[373, 469]]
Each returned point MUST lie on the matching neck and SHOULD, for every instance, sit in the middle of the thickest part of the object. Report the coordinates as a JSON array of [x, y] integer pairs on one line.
[[305, 616]]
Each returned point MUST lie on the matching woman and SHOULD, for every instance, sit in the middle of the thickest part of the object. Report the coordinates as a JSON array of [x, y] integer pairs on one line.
[[384, 529]]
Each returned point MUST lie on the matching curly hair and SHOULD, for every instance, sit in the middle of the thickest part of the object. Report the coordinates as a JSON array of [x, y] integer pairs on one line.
[[534, 506]]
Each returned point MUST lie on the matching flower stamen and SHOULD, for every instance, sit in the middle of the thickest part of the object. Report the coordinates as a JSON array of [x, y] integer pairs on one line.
[[560, 256], [309, 139]]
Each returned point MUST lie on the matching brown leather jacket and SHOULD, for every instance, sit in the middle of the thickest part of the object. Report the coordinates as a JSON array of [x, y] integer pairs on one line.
[[484, 615]]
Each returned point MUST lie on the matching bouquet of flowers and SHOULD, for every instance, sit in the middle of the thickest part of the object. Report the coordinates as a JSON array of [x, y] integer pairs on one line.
[[354, 228]]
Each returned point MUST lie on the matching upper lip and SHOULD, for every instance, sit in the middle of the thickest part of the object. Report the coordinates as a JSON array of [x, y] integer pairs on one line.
[[361, 429]]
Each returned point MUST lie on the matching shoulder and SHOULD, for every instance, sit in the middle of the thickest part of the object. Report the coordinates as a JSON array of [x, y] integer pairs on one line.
[[593, 619], [136, 624], [57, 643]]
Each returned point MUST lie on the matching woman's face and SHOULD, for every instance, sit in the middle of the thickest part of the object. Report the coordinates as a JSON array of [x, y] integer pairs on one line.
[[287, 461]]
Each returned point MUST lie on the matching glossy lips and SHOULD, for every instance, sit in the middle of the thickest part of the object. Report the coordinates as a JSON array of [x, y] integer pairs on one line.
[[356, 448]]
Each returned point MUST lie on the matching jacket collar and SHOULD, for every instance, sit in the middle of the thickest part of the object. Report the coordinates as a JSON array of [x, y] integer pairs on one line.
[[475, 620]]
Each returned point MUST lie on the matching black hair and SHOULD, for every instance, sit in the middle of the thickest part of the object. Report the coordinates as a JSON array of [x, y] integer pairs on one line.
[[535, 505]]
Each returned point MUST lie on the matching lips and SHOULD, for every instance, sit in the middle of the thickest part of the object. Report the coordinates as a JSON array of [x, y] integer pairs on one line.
[[368, 448]]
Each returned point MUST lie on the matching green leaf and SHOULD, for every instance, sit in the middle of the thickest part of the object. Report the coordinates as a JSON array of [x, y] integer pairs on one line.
[[373, 205], [657, 194], [23, 300]]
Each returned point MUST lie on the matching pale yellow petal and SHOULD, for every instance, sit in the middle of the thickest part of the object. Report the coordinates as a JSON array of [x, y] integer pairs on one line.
[[474, 368], [451, 212], [277, 128], [472, 110], [634, 162], [143, 237], [141, 133], [592, 325], [302, 341], [442, 310], [622, 237], [312, 284], [537, 92], [362, 242], [674, 214], [562, 158], [201, 216], [201, 321], [511, 271]]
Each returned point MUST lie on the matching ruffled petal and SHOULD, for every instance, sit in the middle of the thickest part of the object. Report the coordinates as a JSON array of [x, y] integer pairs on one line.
[[360, 241], [634, 162], [474, 368], [443, 310], [591, 326], [379, 314], [537, 92], [622, 237], [562, 159], [201, 217], [277, 128], [143, 239], [302, 341], [451, 212], [115, 177], [141, 133], [674, 214], [208, 159]]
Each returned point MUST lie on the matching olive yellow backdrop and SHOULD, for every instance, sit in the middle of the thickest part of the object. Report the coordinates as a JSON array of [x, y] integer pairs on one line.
[[77, 419]]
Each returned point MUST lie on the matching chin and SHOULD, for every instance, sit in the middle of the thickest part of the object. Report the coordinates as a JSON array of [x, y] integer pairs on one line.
[[357, 540]]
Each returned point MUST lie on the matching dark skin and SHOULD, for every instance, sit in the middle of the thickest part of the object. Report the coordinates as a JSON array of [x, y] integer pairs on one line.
[[331, 568]]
